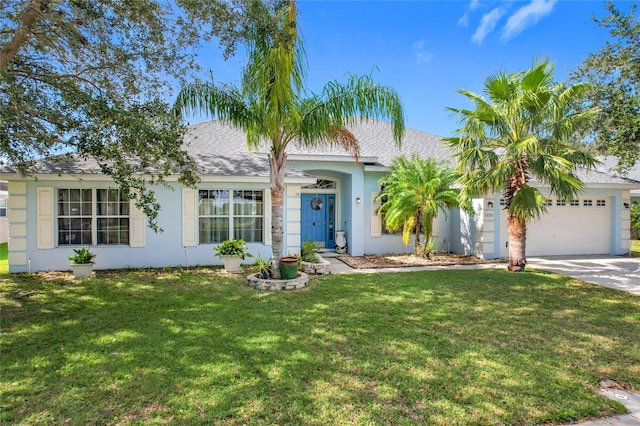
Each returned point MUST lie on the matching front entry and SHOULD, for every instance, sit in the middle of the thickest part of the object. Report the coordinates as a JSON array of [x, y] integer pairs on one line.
[[318, 219]]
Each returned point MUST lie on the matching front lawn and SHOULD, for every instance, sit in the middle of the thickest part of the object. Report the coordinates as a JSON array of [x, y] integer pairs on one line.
[[635, 247], [198, 347]]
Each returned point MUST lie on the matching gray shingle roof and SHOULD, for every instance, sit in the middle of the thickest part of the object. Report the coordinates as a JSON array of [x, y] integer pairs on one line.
[[221, 150], [376, 140], [609, 164]]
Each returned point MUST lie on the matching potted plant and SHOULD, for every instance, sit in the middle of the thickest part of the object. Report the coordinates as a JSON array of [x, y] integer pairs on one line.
[[264, 267], [232, 252], [82, 263], [309, 250], [289, 267]]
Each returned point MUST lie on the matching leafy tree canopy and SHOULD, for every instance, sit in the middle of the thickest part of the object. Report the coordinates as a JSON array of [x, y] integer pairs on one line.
[[615, 73], [90, 77]]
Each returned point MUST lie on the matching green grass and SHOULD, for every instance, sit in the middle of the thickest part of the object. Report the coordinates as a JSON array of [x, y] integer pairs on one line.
[[197, 347], [635, 247], [4, 254]]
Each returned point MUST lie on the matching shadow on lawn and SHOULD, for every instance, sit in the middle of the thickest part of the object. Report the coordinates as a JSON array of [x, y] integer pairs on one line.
[[475, 347]]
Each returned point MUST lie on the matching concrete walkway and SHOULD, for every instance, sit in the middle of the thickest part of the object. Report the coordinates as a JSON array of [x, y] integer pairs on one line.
[[619, 272], [622, 273], [630, 400]]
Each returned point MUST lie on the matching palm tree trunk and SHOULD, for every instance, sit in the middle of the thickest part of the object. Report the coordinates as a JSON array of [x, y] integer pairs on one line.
[[428, 232], [517, 244], [277, 162], [416, 242]]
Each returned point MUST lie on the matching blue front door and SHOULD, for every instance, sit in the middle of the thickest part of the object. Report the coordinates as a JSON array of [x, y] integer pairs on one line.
[[318, 219]]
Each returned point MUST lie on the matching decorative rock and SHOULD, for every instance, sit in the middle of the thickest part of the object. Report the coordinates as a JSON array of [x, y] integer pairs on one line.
[[322, 267], [270, 284]]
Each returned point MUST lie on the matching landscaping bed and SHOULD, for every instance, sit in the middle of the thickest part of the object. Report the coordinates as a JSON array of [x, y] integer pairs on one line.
[[398, 260]]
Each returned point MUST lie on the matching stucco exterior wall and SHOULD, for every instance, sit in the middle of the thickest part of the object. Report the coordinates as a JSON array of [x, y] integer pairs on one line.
[[160, 250]]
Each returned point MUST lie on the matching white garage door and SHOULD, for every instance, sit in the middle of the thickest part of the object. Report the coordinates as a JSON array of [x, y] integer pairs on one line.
[[581, 226]]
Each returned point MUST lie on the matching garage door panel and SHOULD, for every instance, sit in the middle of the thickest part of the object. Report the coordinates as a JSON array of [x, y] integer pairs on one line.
[[566, 230]]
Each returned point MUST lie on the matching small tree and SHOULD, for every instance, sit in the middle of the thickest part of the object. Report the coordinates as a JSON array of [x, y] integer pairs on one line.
[[524, 130], [413, 193]]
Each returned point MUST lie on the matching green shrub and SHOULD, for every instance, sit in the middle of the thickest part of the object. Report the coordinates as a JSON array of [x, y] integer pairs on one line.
[[82, 256]]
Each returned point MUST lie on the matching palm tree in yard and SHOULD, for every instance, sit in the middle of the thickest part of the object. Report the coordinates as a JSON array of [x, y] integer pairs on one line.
[[412, 193], [523, 131], [272, 103]]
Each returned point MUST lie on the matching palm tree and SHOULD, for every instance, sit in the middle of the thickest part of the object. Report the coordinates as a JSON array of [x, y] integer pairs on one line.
[[412, 193], [271, 104], [522, 132]]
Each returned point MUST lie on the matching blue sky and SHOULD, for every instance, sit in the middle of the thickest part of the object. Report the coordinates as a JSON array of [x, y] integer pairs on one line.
[[426, 50]]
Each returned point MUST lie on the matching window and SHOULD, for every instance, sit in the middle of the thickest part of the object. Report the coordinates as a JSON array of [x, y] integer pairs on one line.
[[587, 203], [3, 207], [213, 208], [383, 214], [601, 203], [561, 203], [322, 184], [503, 202], [220, 216], [549, 202], [76, 216], [575, 203], [248, 210], [112, 217]]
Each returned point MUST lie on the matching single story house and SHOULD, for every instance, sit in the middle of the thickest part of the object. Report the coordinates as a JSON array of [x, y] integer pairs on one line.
[[66, 206]]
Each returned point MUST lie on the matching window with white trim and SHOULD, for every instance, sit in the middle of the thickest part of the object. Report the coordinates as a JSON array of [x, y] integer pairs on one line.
[[112, 211], [575, 203], [587, 203], [561, 203], [3, 207], [223, 212], [75, 218], [248, 213], [80, 209], [601, 203]]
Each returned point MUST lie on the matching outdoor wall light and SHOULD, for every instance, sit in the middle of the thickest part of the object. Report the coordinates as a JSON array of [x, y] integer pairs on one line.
[[358, 200], [490, 204], [626, 205]]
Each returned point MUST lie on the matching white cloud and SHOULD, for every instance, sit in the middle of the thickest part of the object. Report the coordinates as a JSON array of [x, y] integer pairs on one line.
[[420, 52], [526, 16], [487, 24], [464, 19]]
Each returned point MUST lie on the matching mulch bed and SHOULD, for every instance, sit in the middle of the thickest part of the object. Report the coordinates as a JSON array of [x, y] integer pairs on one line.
[[369, 261]]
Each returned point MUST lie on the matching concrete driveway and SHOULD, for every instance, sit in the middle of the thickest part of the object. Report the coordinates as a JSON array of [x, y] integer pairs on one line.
[[619, 272]]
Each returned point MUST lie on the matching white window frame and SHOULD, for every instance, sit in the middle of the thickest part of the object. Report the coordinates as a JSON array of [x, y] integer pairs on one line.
[[93, 216], [231, 214]]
